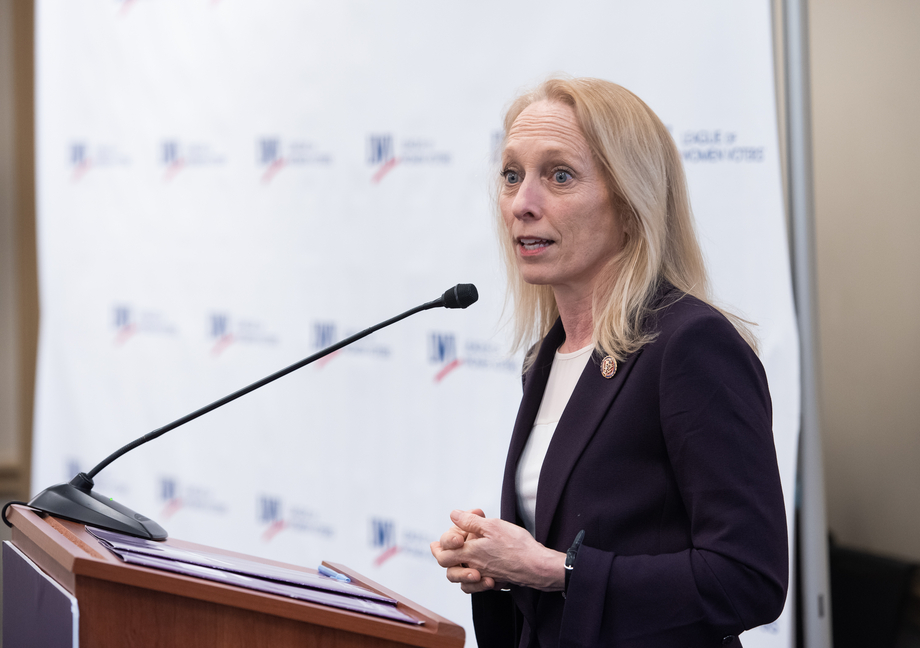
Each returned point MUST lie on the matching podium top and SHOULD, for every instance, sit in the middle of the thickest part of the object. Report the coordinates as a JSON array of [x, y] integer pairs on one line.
[[67, 552]]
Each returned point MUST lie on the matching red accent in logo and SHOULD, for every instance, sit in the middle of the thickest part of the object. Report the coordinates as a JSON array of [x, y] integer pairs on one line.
[[386, 555], [322, 362], [222, 343], [273, 529], [124, 333], [273, 169], [172, 507], [126, 5], [387, 166], [450, 366], [80, 170], [174, 167]]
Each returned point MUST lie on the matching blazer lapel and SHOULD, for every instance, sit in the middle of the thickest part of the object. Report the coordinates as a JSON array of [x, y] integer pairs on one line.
[[580, 420], [534, 385]]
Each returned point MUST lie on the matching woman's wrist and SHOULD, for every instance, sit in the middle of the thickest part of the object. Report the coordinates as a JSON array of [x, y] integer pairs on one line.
[[550, 573]]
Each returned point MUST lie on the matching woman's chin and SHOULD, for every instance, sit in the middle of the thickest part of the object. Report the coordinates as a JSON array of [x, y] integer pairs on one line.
[[536, 280], [536, 274]]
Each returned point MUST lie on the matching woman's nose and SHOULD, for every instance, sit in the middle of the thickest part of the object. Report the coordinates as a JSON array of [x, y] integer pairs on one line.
[[528, 201]]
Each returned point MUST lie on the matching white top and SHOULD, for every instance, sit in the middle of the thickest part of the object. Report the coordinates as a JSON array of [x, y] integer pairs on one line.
[[564, 374]]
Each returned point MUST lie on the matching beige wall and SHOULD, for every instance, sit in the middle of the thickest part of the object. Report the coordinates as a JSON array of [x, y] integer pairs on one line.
[[865, 73], [9, 438], [18, 284]]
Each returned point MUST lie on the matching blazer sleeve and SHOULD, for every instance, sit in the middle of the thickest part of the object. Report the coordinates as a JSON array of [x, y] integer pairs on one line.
[[497, 621], [716, 421]]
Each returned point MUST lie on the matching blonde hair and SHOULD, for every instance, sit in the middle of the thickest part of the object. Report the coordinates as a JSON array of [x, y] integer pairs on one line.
[[645, 179]]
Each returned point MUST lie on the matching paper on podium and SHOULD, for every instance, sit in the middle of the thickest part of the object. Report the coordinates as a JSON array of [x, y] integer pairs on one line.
[[252, 575]]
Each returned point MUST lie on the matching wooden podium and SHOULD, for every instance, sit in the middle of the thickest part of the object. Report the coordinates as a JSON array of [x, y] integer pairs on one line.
[[123, 606]]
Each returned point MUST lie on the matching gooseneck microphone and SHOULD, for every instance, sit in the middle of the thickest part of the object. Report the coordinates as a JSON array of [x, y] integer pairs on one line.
[[460, 296], [76, 499]]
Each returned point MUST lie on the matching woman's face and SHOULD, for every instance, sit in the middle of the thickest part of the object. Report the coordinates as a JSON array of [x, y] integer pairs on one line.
[[554, 202]]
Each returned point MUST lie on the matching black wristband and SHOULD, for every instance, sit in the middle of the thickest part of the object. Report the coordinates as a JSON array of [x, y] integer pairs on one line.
[[570, 557]]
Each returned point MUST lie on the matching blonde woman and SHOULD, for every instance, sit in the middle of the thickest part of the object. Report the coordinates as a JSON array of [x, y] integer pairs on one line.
[[641, 503]]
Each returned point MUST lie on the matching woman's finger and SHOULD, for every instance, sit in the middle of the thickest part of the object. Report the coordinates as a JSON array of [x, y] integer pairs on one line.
[[469, 521], [463, 575], [481, 586], [453, 538], [446, 557]]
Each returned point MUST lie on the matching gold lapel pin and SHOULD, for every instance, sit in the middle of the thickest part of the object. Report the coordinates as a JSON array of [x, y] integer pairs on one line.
[[608, 367]]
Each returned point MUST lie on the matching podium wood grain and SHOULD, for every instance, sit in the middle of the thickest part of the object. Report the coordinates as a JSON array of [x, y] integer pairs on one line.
[[127, 606]]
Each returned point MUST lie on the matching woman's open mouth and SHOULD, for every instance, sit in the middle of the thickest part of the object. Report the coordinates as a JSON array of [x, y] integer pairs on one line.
[[531, 244]]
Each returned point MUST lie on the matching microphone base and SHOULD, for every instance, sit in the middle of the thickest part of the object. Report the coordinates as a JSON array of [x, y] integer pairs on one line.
[[75, 501]]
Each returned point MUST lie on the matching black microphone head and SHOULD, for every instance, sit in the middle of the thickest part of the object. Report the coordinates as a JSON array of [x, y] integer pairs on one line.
[[460, 296]]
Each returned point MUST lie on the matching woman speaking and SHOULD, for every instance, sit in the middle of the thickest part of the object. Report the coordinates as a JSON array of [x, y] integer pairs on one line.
[[641, 503]]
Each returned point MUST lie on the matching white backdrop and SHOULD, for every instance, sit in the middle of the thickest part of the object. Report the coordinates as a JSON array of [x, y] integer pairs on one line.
[[224, 187]]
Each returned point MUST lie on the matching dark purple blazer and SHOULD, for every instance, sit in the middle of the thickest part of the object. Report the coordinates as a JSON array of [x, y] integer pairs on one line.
[[670, 468]]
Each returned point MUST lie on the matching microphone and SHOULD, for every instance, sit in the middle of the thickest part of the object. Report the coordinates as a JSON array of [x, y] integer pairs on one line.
[[76, 500], [460, 296]]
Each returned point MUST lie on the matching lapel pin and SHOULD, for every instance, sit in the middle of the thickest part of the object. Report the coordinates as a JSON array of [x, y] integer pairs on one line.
[[608, 367]]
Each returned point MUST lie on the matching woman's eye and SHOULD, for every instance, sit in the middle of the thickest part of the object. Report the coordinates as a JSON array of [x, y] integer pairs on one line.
[[562, 176], [511, 177]]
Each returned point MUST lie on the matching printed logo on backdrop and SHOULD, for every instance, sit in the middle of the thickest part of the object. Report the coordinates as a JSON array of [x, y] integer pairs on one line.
[[175, 156], [275, 517], [129, 322], [715, 146], [382, 154], [442, 352], [477, 354], [176, 497], [82, 156], [325, 334], [274, 154], [387, 543], [224, 330]]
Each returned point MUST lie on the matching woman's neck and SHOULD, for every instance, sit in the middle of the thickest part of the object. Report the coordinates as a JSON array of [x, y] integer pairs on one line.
[[577, 321]]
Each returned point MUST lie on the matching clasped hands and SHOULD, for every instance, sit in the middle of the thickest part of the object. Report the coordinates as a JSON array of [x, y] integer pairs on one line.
[[484, 553]]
